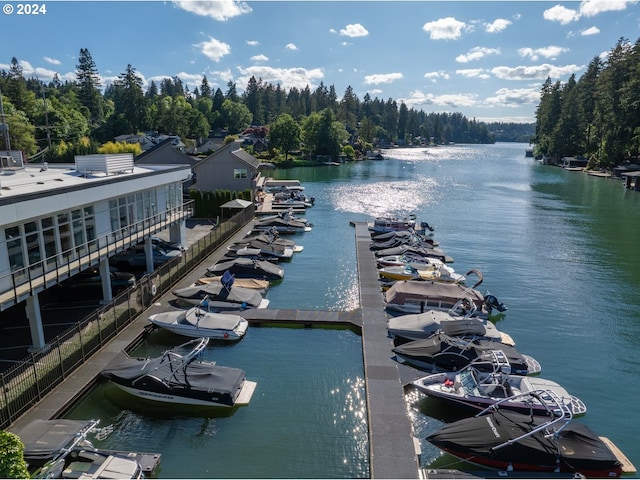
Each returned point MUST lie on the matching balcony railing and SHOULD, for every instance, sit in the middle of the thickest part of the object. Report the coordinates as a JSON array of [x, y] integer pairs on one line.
[[27, 281]]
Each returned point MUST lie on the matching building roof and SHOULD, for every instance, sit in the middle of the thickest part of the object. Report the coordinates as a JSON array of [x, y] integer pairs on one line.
[[246, 157]]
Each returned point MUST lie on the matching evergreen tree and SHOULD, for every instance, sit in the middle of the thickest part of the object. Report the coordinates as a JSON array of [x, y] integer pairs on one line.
[[89, 86]]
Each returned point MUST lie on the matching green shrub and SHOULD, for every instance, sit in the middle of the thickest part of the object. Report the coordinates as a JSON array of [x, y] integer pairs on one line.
[[12, 464]]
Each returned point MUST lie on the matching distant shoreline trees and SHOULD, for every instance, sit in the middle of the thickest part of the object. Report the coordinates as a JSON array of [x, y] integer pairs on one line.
[[597, 116], [75, 117]]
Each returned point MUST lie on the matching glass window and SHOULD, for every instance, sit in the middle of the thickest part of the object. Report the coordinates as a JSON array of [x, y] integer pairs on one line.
[[16, 255], [46, 222], [33, 249], [12, 232], [239, 173]]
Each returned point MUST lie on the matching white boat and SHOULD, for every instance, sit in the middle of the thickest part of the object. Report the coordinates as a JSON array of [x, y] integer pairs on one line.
[[422, 325], [197, 322], [60, 448], [254, 283], [437, 271], [488, 380], [392, 224], [180, 378]]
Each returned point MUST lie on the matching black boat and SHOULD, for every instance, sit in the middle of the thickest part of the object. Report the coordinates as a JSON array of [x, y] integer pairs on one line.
[[180, 378], [506, 440], [60, 448], [248, 268], [443, 352]]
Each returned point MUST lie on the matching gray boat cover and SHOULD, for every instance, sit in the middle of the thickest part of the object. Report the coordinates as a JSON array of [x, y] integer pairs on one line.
[[197, 375], [450, 293], [44, 439], [269, 269], [217, 292]]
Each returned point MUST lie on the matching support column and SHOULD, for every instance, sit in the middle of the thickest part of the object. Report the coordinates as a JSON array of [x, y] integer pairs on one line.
[[178, 232], [35, 323], [148, 251], [105, 278]]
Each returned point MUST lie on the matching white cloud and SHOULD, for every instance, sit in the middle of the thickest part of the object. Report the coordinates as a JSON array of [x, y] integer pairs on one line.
[[253, 43], [291, 46], [497, 25], [382, 78], [587, 8], [462, 100], [221, 10], [537, 72], [287, 77], [473, 73], [591, 8], [476, 53], [590, 31], [561, 14], [52, 61], [514, 97], [214, 49], [435, 76], [354, 30], [259, 58], [551, 51], [445, 28]]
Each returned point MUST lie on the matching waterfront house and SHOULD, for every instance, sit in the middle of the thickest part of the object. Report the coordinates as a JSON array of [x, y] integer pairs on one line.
[[228, 168]]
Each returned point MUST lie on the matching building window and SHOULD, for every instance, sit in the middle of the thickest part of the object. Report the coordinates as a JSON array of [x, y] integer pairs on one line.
[[239, 173]]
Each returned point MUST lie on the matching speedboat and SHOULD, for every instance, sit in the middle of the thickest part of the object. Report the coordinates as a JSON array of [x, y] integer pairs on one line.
[[216, 297], [197, 322], [284, 222], [488, 379], [254, 283], [422, 325], [60, 448], [436, 271], [256, 247], [417, 296], [270, 237], [248, 268], [423, 251], [502, 439], [442, 352], [390, 224], [180, 378], [401, 260]]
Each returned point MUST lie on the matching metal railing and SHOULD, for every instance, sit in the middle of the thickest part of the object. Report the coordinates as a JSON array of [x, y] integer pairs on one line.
[[26, 383], [28, 281]]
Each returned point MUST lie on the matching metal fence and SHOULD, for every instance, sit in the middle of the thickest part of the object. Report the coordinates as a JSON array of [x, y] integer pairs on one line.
[[29, 381]]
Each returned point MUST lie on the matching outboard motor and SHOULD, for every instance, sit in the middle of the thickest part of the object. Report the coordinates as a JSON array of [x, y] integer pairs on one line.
[[491, 302], [425, 226]]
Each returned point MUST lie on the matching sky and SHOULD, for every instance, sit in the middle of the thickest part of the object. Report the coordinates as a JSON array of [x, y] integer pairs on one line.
[[486, 60]]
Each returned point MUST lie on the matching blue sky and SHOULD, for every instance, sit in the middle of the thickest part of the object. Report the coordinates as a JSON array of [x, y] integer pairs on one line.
[[486, 60]]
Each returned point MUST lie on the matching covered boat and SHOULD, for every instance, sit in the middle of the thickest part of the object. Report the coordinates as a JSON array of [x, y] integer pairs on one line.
[[60, 448], [488, 380], [506, 440], [248, 268], [441, 352], [254, 283], [180, 378], [417, 296], [221, 297], [436, 271], [197, 322], [422, 325]]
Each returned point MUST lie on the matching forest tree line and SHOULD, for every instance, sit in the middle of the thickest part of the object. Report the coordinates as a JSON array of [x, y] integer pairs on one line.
[[77, 117], [596, 117]]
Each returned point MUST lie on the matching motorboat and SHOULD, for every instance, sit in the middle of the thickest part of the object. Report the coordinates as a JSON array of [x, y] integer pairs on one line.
[[417, 296], [442, 352], [419, 326], [60, 448], [270, 237], [423, 251], [283, 222], [488, 379], [181, 378], [253, 283], [405, 259], [267, 250], [437, 271], [218, 297], [248, 268], [388, 224], [394, 239], [502, 439], [197, 322]]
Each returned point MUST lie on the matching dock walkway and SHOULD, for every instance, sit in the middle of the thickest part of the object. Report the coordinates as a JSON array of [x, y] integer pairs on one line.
[[391, 446]]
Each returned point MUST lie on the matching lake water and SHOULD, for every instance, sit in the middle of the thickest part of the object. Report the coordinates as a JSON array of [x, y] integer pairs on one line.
[[558, 248]]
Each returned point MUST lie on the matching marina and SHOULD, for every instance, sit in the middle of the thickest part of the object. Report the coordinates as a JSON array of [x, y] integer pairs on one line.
[[302, 300]]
